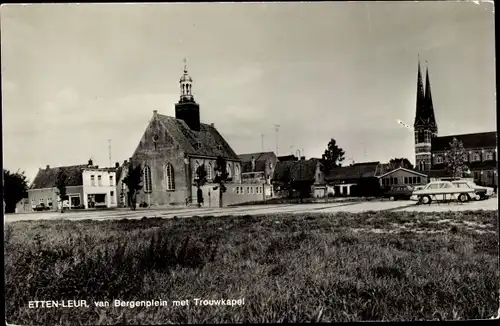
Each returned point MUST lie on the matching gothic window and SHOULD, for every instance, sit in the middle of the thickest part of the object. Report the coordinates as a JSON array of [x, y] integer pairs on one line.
[[476, 157], [422, 165], [209, 171], [420, 137], [427, 138], [236, 170], [155, 140], [169, 176], [228, 170], [146, 177]]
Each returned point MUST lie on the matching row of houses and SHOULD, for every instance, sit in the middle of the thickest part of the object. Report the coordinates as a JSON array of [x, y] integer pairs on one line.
[[172, 148]]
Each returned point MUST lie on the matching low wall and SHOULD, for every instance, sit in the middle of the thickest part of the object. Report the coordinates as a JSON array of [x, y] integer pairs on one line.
[[236, 193]]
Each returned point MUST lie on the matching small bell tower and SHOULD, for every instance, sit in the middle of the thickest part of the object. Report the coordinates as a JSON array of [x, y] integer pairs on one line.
[[187, 109]]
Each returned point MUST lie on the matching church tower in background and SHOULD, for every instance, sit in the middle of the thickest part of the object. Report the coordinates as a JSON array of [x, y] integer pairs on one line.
[[425, 126]]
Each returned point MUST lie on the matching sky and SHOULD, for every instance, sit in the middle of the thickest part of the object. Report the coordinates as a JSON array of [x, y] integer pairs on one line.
[[76, 75]]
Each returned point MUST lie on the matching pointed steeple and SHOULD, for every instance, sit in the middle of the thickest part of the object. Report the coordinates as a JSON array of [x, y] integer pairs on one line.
[[420, 112], [429, 107]]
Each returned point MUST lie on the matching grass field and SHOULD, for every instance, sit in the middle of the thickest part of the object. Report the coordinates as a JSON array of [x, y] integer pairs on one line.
[[391, 266]]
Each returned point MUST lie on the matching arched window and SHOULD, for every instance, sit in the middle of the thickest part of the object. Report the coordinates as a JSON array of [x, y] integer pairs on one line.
[[169, 176], [146, 175], [236, 170], [228, 167], [209, 171]]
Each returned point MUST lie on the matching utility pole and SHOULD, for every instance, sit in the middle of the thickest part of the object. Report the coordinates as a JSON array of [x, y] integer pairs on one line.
[[299, 181], [109, 150], [277, 128]]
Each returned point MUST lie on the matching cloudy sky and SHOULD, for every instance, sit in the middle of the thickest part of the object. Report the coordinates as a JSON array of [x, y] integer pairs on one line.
[[74, 76]]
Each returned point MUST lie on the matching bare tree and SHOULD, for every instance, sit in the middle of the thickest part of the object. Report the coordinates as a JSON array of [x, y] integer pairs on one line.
[[221, 177], [454, 159]]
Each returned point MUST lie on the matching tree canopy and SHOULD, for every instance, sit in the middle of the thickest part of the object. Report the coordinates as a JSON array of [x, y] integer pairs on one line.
[[133, 181], [201, 176], [333, 155], [15, 188], [221, 177], [61, 187]]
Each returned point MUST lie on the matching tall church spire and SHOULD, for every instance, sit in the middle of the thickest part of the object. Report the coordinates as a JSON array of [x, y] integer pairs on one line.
[[428, 103], [420, 112]]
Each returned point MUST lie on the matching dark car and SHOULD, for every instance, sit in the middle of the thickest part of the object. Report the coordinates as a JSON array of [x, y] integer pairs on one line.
[[40, 207], [398, 192]]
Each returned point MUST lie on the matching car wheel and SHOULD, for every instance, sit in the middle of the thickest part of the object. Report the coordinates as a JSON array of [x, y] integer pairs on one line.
[[391, 198], [425, 200], [463, 198]]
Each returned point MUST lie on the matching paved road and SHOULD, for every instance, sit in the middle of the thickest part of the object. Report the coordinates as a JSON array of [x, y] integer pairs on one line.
[[355, 207]]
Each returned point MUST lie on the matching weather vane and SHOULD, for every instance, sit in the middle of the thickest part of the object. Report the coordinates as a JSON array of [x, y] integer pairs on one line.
[[185, 64]]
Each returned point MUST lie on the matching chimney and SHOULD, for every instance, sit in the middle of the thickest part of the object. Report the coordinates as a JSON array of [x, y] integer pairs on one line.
[[212, 124], [302, 158], [125, 162], [90, 162], [155, 113], [253, 164], [48, 167], [117, 165]]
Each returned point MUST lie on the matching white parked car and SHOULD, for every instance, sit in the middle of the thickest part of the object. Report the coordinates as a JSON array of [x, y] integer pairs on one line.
[[480, 191], [441, 191], [415, 197]]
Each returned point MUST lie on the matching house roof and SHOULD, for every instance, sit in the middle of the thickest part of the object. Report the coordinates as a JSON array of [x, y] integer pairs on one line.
[[285, 158], [260, 161], [208, 137], [46, 178], [477, 140], [304, 170], [355, 171], [404, 169]]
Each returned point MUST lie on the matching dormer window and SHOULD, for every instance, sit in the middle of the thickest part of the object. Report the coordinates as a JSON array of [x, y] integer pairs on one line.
[[219, 148]]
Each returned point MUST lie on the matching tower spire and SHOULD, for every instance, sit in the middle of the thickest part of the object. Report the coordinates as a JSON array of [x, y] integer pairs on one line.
[[420, 112], [185, 65], [429, 107]]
